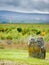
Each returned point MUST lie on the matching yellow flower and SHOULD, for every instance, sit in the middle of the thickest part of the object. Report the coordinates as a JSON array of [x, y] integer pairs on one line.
[[43, 33]]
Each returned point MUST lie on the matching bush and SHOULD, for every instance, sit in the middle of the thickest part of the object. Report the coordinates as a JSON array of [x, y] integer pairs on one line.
[[34, 30], [19, 29], [2, 35], [39, 32], [26, 31], [9, 37]]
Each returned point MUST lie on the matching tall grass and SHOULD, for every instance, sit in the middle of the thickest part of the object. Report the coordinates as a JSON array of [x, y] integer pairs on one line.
[[15, 31]]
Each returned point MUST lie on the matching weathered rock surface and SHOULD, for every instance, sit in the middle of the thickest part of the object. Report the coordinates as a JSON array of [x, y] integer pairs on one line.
[[36, 47]]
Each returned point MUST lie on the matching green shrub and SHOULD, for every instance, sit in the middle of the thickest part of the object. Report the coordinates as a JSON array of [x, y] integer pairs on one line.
[[34, 30], [1, 29], [39, 32], [9, 37], [26, 31], [2, 35], [19, 29]]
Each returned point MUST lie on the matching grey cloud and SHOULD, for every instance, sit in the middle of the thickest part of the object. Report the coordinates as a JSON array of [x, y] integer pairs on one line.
[[26, 5]]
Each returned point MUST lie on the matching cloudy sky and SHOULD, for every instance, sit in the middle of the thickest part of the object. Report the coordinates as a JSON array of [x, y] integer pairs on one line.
[[26, 6]]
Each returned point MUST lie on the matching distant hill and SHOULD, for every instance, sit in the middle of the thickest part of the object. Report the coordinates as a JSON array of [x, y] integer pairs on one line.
[[19, 17]]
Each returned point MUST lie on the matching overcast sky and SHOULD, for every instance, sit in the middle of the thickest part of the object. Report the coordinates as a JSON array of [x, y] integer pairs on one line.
[[26, 6]]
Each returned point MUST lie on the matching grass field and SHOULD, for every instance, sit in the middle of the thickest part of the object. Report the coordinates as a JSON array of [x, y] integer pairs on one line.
[[13, 36], [15, 31], [22, 57]]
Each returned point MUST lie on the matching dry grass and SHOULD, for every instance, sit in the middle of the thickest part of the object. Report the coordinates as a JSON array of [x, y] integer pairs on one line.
[[4, 44], [47, 46]]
